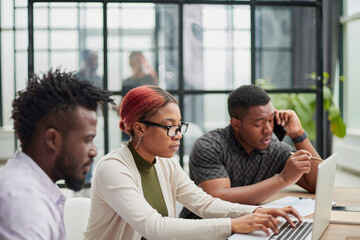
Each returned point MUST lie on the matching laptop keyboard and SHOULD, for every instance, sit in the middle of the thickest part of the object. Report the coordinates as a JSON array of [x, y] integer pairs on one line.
[[286, 232]]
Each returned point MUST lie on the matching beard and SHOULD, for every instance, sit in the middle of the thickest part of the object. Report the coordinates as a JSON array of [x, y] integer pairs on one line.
[[74, 184], [66, 167]]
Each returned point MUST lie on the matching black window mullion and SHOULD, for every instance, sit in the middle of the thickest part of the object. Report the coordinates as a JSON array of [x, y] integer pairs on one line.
[[156, 39], [49, 50], [31, 37], [105, 80], [181, 76], [341, 61], [319, 83], [252, 42], [80, 36]]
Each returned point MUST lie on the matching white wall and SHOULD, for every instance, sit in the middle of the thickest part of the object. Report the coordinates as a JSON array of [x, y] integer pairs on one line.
[[7, 144], [348, 150], [349, 147]]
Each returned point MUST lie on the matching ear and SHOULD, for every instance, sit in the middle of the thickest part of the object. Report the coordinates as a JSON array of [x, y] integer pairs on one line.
[[139, 128], [53, 140], [235, 123]]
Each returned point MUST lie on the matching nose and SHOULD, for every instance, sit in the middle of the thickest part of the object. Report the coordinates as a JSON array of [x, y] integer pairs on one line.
[[93, 151], [178, 135], [268, 127]]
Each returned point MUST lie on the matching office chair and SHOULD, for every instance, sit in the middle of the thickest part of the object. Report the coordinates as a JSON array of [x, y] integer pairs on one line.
[[76, 214]]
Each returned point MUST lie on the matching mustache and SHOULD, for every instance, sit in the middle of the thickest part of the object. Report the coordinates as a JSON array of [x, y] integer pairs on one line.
[[90, 162]]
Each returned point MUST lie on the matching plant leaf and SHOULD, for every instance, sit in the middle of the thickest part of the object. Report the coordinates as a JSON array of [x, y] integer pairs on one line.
[[338, 127]]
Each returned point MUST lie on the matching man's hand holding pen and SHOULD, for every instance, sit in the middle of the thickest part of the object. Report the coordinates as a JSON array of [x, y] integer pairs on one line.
[[297, 164]]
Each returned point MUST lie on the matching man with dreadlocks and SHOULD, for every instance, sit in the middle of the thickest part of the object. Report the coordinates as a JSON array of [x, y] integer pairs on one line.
[[55, 120]]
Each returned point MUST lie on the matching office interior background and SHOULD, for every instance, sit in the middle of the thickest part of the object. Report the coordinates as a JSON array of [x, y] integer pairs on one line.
[[201, 50]]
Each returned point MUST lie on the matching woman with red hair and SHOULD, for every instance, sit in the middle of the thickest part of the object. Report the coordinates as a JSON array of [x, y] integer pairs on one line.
[[135, 187]]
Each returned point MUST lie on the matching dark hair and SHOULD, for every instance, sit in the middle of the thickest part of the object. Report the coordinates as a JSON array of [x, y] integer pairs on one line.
[[85, 54], [134, 58], [50, 100], [244, 97], [140, 104]]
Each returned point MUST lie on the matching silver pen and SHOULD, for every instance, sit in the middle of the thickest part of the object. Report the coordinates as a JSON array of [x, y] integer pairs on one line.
[[313, 158]]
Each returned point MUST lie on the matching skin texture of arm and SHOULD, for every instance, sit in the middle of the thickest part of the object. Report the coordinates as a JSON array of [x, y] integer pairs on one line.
[[251, 194]]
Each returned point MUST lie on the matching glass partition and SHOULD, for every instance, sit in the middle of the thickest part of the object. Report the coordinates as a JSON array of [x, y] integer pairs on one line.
[[198, 51], [216, 46], [69, 36], [142, 45], [285, 45], [210, 115]]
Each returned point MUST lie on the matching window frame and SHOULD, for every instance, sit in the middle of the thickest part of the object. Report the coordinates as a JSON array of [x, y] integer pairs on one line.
[[181, 92]]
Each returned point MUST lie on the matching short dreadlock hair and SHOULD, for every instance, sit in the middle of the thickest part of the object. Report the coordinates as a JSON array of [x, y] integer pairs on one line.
[[50, 99]]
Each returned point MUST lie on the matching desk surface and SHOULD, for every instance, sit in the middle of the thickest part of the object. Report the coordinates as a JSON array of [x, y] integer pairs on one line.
[[342, 196]]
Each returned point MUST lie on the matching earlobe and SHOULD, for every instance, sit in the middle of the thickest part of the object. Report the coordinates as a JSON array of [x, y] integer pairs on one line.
[[53, 139]]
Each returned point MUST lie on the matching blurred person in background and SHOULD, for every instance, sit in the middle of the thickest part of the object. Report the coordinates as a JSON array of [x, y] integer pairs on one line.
[[88, 72], [142, 72]]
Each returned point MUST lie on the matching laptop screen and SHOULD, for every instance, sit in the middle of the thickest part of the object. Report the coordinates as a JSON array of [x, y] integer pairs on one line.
[[324, 195]]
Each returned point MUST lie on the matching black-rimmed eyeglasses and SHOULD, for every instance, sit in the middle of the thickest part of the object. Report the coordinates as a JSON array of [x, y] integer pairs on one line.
[[172, 130]]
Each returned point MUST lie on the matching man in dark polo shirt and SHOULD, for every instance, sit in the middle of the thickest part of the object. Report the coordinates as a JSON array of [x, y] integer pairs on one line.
[[243, 163]]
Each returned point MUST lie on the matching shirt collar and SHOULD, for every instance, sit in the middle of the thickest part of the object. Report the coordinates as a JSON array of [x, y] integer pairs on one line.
[[54, 192]]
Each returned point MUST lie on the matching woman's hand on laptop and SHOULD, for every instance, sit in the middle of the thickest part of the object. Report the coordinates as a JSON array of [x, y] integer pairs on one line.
[[254, 222], [281, 212]]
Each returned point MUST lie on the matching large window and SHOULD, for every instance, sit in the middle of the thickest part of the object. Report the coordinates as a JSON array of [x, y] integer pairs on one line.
[[351, 21], [198, 51]]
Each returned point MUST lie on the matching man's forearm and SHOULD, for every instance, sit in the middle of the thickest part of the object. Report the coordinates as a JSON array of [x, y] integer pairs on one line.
[[308, 181], [306, 145], [251, 194]]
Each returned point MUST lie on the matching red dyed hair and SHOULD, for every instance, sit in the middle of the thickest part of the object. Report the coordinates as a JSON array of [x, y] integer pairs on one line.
[[139, 103]]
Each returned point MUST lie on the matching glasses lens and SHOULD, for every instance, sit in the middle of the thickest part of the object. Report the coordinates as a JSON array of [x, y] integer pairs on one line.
[[175, 129], [183, 128]]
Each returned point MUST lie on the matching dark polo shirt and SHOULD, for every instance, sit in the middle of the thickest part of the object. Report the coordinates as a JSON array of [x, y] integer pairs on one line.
[[218, 154]]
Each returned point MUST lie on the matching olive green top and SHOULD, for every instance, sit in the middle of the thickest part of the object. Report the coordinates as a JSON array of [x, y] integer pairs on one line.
[[150, 183]]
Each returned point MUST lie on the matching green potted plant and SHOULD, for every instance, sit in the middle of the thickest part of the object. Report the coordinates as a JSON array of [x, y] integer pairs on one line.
[[304, 105]]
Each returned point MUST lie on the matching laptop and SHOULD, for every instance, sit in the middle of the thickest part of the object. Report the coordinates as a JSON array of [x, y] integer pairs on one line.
[[309, 229]]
